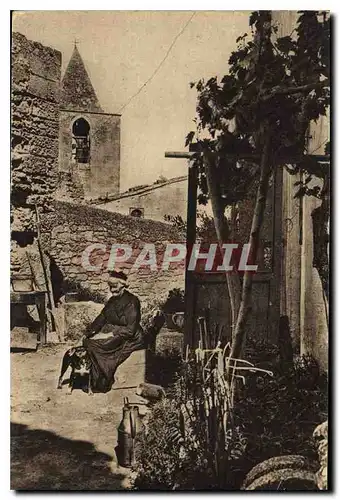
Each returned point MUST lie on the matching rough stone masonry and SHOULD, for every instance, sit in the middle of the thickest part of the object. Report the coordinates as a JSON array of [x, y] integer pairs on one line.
[[71, 228], [35, 128]]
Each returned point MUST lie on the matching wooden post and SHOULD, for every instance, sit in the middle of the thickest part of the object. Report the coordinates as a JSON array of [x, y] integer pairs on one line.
[[47, 280], [41, 306], [189, 324]]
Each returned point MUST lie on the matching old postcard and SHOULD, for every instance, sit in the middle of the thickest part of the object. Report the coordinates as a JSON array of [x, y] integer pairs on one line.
[[170, 206]]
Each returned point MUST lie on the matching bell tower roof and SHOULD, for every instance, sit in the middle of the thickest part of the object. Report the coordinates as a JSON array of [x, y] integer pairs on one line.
[[77, 92]]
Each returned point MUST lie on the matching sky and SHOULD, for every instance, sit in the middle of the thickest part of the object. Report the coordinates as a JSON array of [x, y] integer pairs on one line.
[[121, 50]]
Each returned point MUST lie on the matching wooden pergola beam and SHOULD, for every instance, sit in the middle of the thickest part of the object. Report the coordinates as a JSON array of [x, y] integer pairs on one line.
[[251, 157]]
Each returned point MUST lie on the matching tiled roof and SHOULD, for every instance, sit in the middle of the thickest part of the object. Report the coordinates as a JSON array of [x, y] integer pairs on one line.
[[77, 92], [138, 190]]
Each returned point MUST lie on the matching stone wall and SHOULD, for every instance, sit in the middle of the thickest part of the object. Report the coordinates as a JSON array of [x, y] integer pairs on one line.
[[72, 228], [35, 128], [101, 175]]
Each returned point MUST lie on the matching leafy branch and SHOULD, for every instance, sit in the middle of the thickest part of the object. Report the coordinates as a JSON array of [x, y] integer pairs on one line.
[[261, 108]]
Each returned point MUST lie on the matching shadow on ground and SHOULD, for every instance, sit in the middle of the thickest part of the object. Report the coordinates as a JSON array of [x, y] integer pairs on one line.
[[42, 460]]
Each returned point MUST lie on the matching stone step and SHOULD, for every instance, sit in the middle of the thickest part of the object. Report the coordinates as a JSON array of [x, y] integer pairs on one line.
[[131, 372]]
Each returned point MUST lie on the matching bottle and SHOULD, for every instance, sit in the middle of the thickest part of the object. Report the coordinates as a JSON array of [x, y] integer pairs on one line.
[[124, 447], [130, 425], [137, 427]]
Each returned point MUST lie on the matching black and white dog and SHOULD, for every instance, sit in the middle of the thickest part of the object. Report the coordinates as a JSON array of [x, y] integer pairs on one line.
[[78, 359]]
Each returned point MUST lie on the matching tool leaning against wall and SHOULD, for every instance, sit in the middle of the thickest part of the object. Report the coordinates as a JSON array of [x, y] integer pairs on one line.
[[53, 320]]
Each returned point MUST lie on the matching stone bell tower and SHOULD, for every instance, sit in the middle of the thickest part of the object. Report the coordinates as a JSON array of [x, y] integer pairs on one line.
[[89, 138]]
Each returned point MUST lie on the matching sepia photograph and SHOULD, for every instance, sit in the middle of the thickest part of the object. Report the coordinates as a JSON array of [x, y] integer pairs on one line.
[[169, 250]]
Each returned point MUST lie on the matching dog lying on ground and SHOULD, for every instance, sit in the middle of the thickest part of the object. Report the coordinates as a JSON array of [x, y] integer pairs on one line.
[[78, 359]]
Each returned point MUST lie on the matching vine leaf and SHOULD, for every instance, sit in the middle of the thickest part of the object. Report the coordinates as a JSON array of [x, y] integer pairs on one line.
[[189, 138]]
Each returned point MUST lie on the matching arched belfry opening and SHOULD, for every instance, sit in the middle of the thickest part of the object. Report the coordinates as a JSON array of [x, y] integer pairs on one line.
[[81, 147]]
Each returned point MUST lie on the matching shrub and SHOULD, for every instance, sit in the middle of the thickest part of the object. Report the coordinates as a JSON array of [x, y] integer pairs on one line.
[[164, 461], [272, 416], [278, 414], [156, 453], [168, 302], [186, 446], [163, 369], [174, 302]]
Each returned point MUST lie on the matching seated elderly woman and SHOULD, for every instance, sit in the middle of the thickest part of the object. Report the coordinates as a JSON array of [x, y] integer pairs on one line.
[[121, 316]]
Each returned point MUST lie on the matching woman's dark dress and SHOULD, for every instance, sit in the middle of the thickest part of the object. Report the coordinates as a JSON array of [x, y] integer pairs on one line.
[[123, 315]]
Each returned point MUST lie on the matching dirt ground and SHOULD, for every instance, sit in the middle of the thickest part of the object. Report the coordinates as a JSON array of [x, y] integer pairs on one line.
[[58, 441]]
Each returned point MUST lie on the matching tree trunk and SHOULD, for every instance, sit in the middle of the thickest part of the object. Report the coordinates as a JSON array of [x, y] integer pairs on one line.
[[258, 215], [320, 245], [320, 218], [223, 233]]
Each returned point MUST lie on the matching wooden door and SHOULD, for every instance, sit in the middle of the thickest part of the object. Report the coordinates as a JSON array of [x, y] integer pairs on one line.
[[207, 292]]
